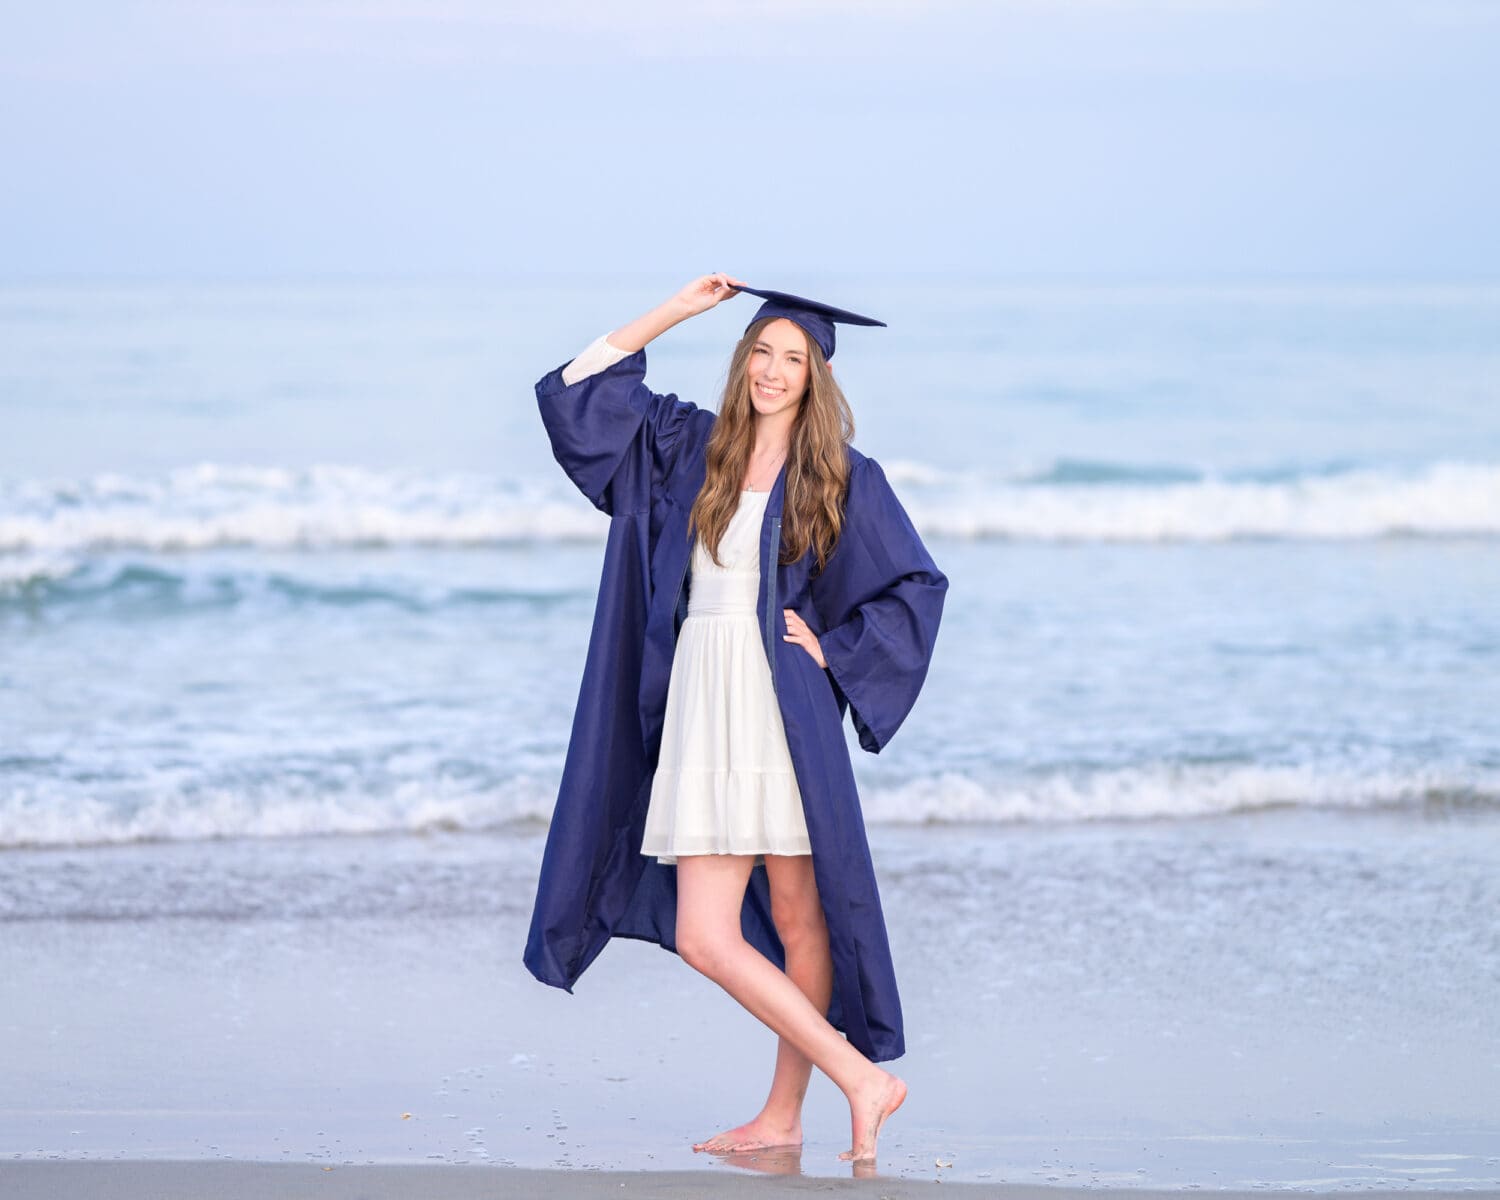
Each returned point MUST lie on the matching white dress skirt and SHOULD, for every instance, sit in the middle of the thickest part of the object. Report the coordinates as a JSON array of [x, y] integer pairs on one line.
[[724, 781]]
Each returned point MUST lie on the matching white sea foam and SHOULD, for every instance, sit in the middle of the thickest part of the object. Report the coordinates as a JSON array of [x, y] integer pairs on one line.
[[57, 814], [1438, 500], [44, 525], [1170, 791], [23, 569], [210, 506]]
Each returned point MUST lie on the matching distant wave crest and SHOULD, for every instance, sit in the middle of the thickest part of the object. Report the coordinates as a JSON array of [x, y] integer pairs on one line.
[[47, 525], [1102, 502], [164, 585], [50, 812], [212, 506], [1175, 790], [55, 813]]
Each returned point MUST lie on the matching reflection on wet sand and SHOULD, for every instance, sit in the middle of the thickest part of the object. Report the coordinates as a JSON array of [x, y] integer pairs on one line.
[[768, 1160]]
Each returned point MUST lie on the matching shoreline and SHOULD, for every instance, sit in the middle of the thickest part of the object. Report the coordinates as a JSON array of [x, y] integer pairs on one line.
[[250, 1180], [1122, 1008]]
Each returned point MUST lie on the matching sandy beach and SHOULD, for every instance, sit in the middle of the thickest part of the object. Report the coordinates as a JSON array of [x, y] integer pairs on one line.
[[1081, 1013], [290, 1181]]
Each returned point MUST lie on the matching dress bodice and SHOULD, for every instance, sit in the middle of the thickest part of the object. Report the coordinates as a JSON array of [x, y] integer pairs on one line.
[[730, 589]]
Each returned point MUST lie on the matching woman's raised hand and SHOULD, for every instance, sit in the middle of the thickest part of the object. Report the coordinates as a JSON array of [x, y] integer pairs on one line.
[[706, 291], [699, 296]]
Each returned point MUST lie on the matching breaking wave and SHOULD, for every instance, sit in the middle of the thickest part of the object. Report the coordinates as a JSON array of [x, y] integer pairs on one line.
[[208, 506], [53, 812]]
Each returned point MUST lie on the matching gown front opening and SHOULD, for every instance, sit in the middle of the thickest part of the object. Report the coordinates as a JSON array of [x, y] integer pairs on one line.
[[724, 781]]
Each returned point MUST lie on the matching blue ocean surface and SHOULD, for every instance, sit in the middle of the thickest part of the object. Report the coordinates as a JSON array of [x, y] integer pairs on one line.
[[296, 559]]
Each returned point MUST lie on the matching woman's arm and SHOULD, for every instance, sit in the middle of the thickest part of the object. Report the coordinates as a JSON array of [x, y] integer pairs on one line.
[[603, 352], [612, 434], [699, 296]]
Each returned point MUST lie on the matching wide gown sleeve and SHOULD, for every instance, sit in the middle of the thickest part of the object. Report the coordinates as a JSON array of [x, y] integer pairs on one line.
[[881, 597], [613, 435]]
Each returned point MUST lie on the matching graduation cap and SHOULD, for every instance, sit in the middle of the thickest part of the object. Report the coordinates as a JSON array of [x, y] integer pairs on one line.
[[813, 316]]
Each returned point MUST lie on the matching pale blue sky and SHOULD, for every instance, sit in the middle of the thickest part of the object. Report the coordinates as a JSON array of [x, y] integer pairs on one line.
[[1029, 138]]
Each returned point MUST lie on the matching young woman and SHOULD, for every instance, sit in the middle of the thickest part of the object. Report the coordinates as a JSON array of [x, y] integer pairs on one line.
[[760, 578]]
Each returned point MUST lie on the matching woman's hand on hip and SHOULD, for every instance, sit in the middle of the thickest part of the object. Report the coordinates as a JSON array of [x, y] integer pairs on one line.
[[797, 631]]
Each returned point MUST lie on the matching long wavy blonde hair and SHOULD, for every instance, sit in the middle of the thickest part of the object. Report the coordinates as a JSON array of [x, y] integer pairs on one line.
[[817, 460]]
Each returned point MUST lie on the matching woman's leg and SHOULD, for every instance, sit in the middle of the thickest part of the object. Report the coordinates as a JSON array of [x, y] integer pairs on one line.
[[798, 914], [710, 896]]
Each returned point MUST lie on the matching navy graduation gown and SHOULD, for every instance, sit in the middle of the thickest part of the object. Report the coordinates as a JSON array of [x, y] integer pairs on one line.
[[640, 458]]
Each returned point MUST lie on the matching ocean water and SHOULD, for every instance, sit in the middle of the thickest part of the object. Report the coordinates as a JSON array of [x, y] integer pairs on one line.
[[296, 559], [1213, 712]]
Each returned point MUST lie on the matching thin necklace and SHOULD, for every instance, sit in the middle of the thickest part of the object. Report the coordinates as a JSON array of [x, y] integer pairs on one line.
[[779, 457]]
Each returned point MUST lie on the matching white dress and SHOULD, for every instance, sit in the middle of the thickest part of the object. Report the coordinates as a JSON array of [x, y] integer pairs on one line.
[[724, 781]]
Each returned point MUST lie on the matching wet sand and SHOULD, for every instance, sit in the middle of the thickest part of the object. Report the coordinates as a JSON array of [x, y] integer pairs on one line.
[[1236, 1005], [296, 1181]]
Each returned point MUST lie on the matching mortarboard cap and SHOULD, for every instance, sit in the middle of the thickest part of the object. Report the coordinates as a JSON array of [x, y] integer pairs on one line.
[[814, 316]]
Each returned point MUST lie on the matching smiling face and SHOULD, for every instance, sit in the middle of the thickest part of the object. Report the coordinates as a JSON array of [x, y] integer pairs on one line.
[[778, 369]]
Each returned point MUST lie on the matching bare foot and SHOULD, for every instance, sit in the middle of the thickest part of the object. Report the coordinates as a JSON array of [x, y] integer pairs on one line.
[[758, 1134], [867, 1113]]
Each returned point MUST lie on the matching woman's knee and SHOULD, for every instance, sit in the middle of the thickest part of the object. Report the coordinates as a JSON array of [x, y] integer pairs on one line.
[[703, 948], [799, 921], [710, 894]]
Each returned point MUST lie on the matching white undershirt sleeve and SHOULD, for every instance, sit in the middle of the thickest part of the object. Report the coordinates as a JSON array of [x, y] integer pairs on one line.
[[598, 355]]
